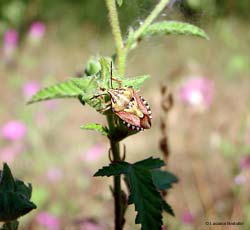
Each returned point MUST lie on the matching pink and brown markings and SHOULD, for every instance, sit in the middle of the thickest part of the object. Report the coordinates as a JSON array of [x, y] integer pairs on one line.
[[131, 108]]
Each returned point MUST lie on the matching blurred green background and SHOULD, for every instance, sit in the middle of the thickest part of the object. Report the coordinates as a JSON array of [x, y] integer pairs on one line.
[[209, 144]]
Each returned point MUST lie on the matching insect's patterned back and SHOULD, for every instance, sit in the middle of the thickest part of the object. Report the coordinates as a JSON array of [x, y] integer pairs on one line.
[[131, 108]]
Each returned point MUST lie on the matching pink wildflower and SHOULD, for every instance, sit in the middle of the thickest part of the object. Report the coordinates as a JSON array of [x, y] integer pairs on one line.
[[240, 179], [245, 162], [54, 174], [187, 217], [91, 225], [10, 43], [30, 88], [94, 153], [11, 38], [244, 176], [14, 130], [48, 220], [36, 32], [197, 91], [51, 104]]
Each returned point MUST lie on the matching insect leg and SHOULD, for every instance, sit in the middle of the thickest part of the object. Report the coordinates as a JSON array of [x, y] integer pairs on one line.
[[107, 107], [96, 96], [119, 82]]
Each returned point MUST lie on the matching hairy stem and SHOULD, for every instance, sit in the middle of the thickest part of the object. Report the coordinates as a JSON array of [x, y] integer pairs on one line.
[[8, 226], [117, 192], [122, 51], [114, 22], [121, 61], [152, 16], [117, 188]]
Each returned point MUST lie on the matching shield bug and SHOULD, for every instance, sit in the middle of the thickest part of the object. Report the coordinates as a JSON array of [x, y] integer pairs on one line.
[[132, 109]]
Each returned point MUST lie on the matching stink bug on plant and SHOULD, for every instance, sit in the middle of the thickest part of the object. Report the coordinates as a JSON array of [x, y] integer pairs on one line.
[[132, 109]]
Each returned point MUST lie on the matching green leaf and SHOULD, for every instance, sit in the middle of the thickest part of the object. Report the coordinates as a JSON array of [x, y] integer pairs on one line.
[[60, 90], [146, 198], [113, 169], [13, 205], [7, 182], [122, 167], [13, 225], [167, 208], [89, 89], [143, 193], [163, 179], [150, 163], [173, 28], [105, 77], [92, 66], [97, 127], [14, 196], [136, 82], [23, 189], [84, 87], [119, 2]]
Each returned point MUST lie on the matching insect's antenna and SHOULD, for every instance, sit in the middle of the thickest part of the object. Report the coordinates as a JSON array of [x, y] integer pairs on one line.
[[111, 75]]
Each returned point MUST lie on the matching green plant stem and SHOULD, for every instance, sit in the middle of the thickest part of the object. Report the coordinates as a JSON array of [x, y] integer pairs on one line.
[[117, 191], [114, 22], [152, 16], [121, 61], [8, 226], [122, 52]]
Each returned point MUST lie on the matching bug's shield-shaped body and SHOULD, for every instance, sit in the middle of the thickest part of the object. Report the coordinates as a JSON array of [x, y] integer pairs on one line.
[[120, 98], [131, 108]]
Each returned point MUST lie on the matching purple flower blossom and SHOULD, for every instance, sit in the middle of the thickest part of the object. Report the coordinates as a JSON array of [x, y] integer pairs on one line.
[[245, 162], [48, 220], [30, 88], [51, 104], [91, 225], [187, 217], [11, 38], [36, 32], [240, 179], [13, 130], [244, 176], [10, 43], [197, 91], [54, 174], [94, 153]]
